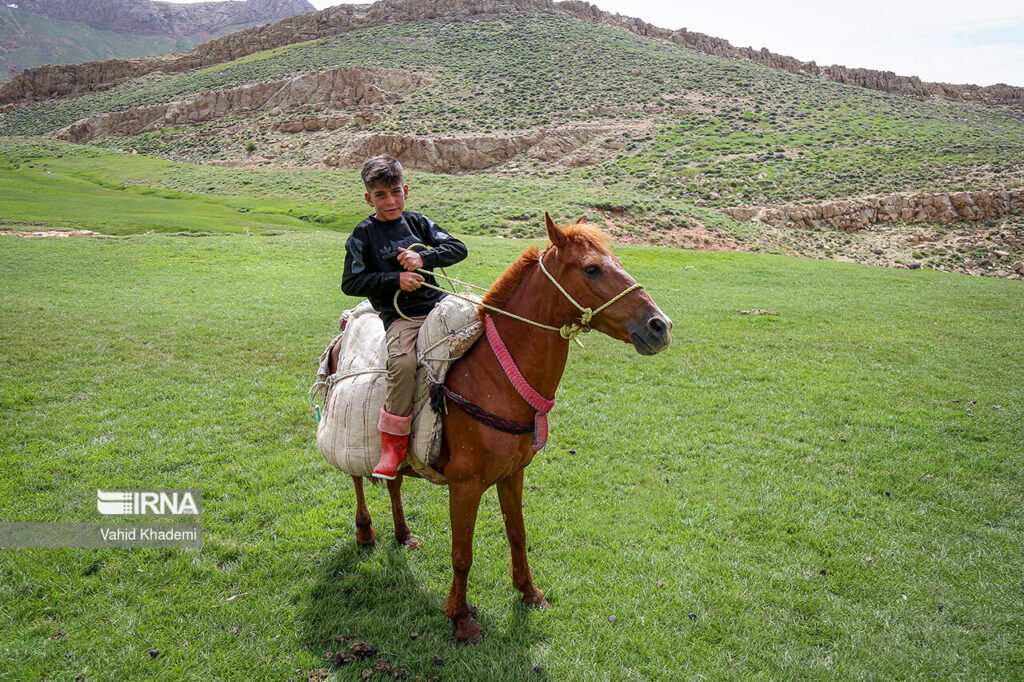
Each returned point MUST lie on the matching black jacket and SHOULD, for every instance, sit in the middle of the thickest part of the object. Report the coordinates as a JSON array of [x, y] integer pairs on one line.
[[372, 267]]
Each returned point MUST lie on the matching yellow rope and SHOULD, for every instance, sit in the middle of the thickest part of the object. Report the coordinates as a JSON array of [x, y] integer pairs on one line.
[[572, 329], [394, 301], [568, 331], [453, 292], [482, 305]]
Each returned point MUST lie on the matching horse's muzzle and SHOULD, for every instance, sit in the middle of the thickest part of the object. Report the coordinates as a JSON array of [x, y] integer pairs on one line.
[[652, 336]]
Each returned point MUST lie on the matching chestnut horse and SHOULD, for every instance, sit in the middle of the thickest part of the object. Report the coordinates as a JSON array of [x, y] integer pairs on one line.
[[475, 456]]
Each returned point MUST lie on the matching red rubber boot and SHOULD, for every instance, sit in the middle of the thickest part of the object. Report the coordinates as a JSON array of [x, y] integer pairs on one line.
[[394, 444]]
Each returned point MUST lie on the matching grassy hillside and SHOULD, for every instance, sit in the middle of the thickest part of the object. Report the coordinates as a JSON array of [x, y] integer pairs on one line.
[[31, 40], [210, 198], [28, 202], [682, 125], [830, 493]]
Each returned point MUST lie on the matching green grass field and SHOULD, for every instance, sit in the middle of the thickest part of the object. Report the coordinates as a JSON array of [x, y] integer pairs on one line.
[[751, 471]]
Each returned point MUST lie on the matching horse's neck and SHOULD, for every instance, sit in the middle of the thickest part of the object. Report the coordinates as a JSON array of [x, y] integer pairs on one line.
[[540, 354]]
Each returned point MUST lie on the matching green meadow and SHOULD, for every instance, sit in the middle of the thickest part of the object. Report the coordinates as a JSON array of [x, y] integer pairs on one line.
[[834, 492], [117, 193]]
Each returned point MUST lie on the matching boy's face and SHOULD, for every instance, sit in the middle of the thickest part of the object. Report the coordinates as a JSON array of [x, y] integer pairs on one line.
[[389, 202]]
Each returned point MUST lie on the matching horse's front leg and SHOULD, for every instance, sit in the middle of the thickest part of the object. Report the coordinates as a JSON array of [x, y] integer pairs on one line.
[[463, 503], [510, 494], [364, 531], [402, 533]]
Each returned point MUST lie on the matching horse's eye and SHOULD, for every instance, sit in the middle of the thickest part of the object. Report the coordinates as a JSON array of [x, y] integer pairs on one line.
[[592, 270]]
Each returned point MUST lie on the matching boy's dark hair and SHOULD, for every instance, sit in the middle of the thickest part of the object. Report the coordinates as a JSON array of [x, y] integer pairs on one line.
[[382, 170]]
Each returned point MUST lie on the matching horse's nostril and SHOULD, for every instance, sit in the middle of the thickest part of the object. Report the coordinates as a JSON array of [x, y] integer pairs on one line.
[[657, 325]]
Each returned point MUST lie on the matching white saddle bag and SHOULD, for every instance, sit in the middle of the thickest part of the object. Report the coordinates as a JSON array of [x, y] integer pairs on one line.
[[346, 433]]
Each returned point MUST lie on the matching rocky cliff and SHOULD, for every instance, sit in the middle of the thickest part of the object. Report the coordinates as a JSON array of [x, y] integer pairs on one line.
[[466, 153], [143, 17], [918, 207], [336, 89], [63, 80]]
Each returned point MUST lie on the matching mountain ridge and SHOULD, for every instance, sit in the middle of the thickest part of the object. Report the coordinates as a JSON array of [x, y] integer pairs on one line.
[[64, 80], [147, 17]]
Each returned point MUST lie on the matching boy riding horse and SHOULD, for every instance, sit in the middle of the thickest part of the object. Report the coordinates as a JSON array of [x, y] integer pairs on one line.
[[379, 261]]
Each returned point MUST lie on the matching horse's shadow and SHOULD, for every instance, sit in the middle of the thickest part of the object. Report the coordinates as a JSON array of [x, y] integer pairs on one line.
[[372, 594]]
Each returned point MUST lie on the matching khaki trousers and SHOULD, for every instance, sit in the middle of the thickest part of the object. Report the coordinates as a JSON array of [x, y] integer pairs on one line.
[[401, 378]]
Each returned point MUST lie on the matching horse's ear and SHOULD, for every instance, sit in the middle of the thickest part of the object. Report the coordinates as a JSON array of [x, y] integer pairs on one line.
[[581, 219], [555, 233]]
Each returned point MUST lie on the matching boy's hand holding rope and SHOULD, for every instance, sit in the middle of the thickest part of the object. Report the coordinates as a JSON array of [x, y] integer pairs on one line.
[[411, 261]]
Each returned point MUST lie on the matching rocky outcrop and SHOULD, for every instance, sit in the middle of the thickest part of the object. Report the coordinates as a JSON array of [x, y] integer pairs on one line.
[[471, 152], [859, 213], [142, 17], [72, 79], [336, 89], [361, 118]]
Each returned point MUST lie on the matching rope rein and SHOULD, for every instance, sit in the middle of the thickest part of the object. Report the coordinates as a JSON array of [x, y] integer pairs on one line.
[[572, 329], [569, 331], [466, 298]]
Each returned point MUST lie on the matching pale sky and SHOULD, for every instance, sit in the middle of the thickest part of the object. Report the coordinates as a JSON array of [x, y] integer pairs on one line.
[[949, 41]]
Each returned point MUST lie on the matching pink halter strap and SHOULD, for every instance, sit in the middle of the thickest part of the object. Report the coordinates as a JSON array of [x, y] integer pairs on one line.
[[529, 394]]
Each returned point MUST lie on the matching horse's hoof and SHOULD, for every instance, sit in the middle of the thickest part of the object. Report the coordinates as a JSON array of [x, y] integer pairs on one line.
[[366, 539], [469, 633], [410, 543], [538, 601]]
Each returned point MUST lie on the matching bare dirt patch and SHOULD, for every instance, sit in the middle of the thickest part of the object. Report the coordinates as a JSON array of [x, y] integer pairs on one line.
[[31, 234], [664, 231], [994, 248], [698, 236]]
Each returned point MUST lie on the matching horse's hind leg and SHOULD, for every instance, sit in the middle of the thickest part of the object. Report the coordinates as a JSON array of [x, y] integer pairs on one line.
[[402, 533], [510, 495], [364, 531]]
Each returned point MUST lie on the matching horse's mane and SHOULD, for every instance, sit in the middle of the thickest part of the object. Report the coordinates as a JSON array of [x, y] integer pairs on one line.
[[508, 282], [586, 234]]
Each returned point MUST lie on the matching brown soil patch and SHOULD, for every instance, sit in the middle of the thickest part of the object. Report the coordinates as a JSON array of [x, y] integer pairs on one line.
[[624, 228], [700, 237], [966, 248]]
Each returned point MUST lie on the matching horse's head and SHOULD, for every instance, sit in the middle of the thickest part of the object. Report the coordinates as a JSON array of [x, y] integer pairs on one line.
[[585, 268]]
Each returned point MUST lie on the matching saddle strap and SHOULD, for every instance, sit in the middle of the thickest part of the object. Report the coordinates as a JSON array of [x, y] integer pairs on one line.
[[438, 393]]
